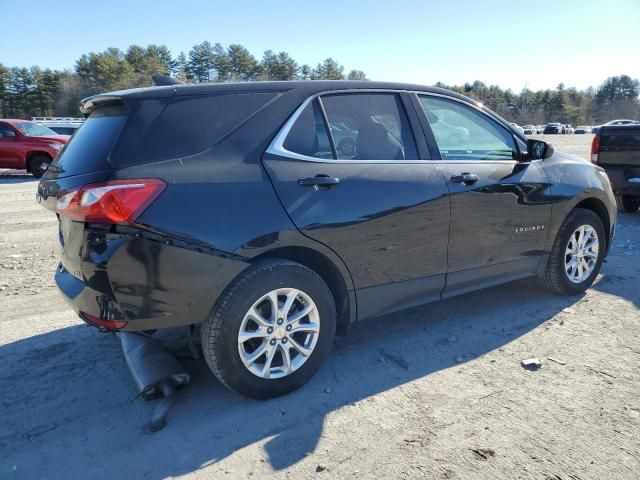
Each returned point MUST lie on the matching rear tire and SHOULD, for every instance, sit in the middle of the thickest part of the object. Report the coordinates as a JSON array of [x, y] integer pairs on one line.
[[39, 163], [558, 276], [629, 204], [246, 310]]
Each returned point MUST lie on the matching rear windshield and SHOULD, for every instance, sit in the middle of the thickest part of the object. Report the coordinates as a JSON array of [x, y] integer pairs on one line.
[[618, 139], [89, 149]]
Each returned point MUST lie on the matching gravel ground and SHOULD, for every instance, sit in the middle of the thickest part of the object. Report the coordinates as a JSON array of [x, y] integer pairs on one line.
[[432, 392]]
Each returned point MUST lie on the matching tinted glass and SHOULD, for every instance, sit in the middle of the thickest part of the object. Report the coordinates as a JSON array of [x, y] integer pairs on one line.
[[629, 139], [308, 136], [190, 125], [370, 126], [88, 151], [463, 133]]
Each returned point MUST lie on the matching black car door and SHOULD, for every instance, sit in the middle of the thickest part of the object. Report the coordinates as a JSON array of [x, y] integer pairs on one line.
[[367, 191], [500, 211]]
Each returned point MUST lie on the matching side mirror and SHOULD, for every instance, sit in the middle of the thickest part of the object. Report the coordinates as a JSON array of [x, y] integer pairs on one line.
[[538, 150], [9, 134]]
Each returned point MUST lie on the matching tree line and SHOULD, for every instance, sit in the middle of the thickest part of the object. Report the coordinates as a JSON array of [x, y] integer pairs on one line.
[[616, 97], [26, 92], [34, 91]]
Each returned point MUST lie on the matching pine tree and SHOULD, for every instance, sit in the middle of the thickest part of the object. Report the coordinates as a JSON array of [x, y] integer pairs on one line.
[[201, 62], [329, 69]]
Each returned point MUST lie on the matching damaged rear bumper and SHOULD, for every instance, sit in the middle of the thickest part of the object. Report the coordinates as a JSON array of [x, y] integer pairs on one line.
[[145, 281]]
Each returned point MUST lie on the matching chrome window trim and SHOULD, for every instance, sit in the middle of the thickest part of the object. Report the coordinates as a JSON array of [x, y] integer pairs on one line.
[[276, 147]]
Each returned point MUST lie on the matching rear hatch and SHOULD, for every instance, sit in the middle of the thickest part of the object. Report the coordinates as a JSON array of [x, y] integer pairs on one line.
[[86, 157], [619, 145], [84, 160], [130, 128]]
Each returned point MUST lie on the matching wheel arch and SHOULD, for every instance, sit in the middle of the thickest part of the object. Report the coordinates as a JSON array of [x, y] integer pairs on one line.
[[328, 271], [599, 208], [33, 153]]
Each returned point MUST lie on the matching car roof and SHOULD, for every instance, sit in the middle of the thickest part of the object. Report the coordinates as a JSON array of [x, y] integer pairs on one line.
[[304, 87], [280, 86], [13, 121]]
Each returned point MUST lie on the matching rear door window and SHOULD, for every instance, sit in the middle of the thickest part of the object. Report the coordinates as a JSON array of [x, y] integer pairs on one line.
[[308, 135], [369, 126], [462, 133]]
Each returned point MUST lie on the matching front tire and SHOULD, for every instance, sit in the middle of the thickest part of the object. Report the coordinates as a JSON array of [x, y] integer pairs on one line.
[[576, 255], [271, 329], [38, 164]]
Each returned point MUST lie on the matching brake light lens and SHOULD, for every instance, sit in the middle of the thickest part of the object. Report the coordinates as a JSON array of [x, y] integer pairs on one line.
[[119, 202], [595, 148], [106, 324]]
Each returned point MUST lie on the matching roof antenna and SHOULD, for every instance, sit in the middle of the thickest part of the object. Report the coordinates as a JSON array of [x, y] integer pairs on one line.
[[159, 80]]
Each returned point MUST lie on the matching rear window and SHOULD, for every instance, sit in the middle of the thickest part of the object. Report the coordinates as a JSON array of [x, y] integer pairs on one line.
[[190, 125], [630, 139], [89, 148]]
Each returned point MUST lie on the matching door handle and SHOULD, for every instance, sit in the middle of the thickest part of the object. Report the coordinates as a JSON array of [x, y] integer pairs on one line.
[[319, 181], [465, 178]]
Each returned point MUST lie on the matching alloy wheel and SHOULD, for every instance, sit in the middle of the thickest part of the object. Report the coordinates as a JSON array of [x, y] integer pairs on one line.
[[581, 254], [279, 333]]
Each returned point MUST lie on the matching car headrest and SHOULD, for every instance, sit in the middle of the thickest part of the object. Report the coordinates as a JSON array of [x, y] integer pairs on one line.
[[375, 143]]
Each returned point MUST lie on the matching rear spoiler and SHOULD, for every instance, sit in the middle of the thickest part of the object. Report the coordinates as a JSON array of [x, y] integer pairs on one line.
[[89, 104], [163, 86]]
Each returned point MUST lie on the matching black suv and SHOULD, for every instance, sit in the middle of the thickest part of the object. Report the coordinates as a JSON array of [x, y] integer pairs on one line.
[[553, 128], [233, 205]]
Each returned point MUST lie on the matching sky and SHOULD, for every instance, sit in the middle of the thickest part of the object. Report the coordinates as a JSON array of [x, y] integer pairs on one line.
[[535, 44]]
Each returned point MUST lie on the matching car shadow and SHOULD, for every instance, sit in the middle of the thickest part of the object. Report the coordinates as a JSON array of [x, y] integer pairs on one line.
[[617, 278], [69, 405]]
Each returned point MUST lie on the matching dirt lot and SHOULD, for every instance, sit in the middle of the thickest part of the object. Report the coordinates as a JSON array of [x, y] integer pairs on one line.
[[433, 392]]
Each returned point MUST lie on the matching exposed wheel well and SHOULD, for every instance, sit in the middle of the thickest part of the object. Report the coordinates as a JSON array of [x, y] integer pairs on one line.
[[329, 273], [30, 156], [599, 208]]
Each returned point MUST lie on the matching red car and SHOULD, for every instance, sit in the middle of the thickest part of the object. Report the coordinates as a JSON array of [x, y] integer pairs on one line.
[[27, 145]]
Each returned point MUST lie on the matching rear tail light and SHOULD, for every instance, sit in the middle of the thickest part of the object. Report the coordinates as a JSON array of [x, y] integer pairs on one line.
[[595, 148], [118, 202], [106, 324]]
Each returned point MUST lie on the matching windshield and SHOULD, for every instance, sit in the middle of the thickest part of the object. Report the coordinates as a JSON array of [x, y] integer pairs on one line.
[[33, 129]]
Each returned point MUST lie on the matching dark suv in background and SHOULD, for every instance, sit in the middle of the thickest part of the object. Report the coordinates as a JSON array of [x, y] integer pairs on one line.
[[234, 205], [616, 148], [553, 128]]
